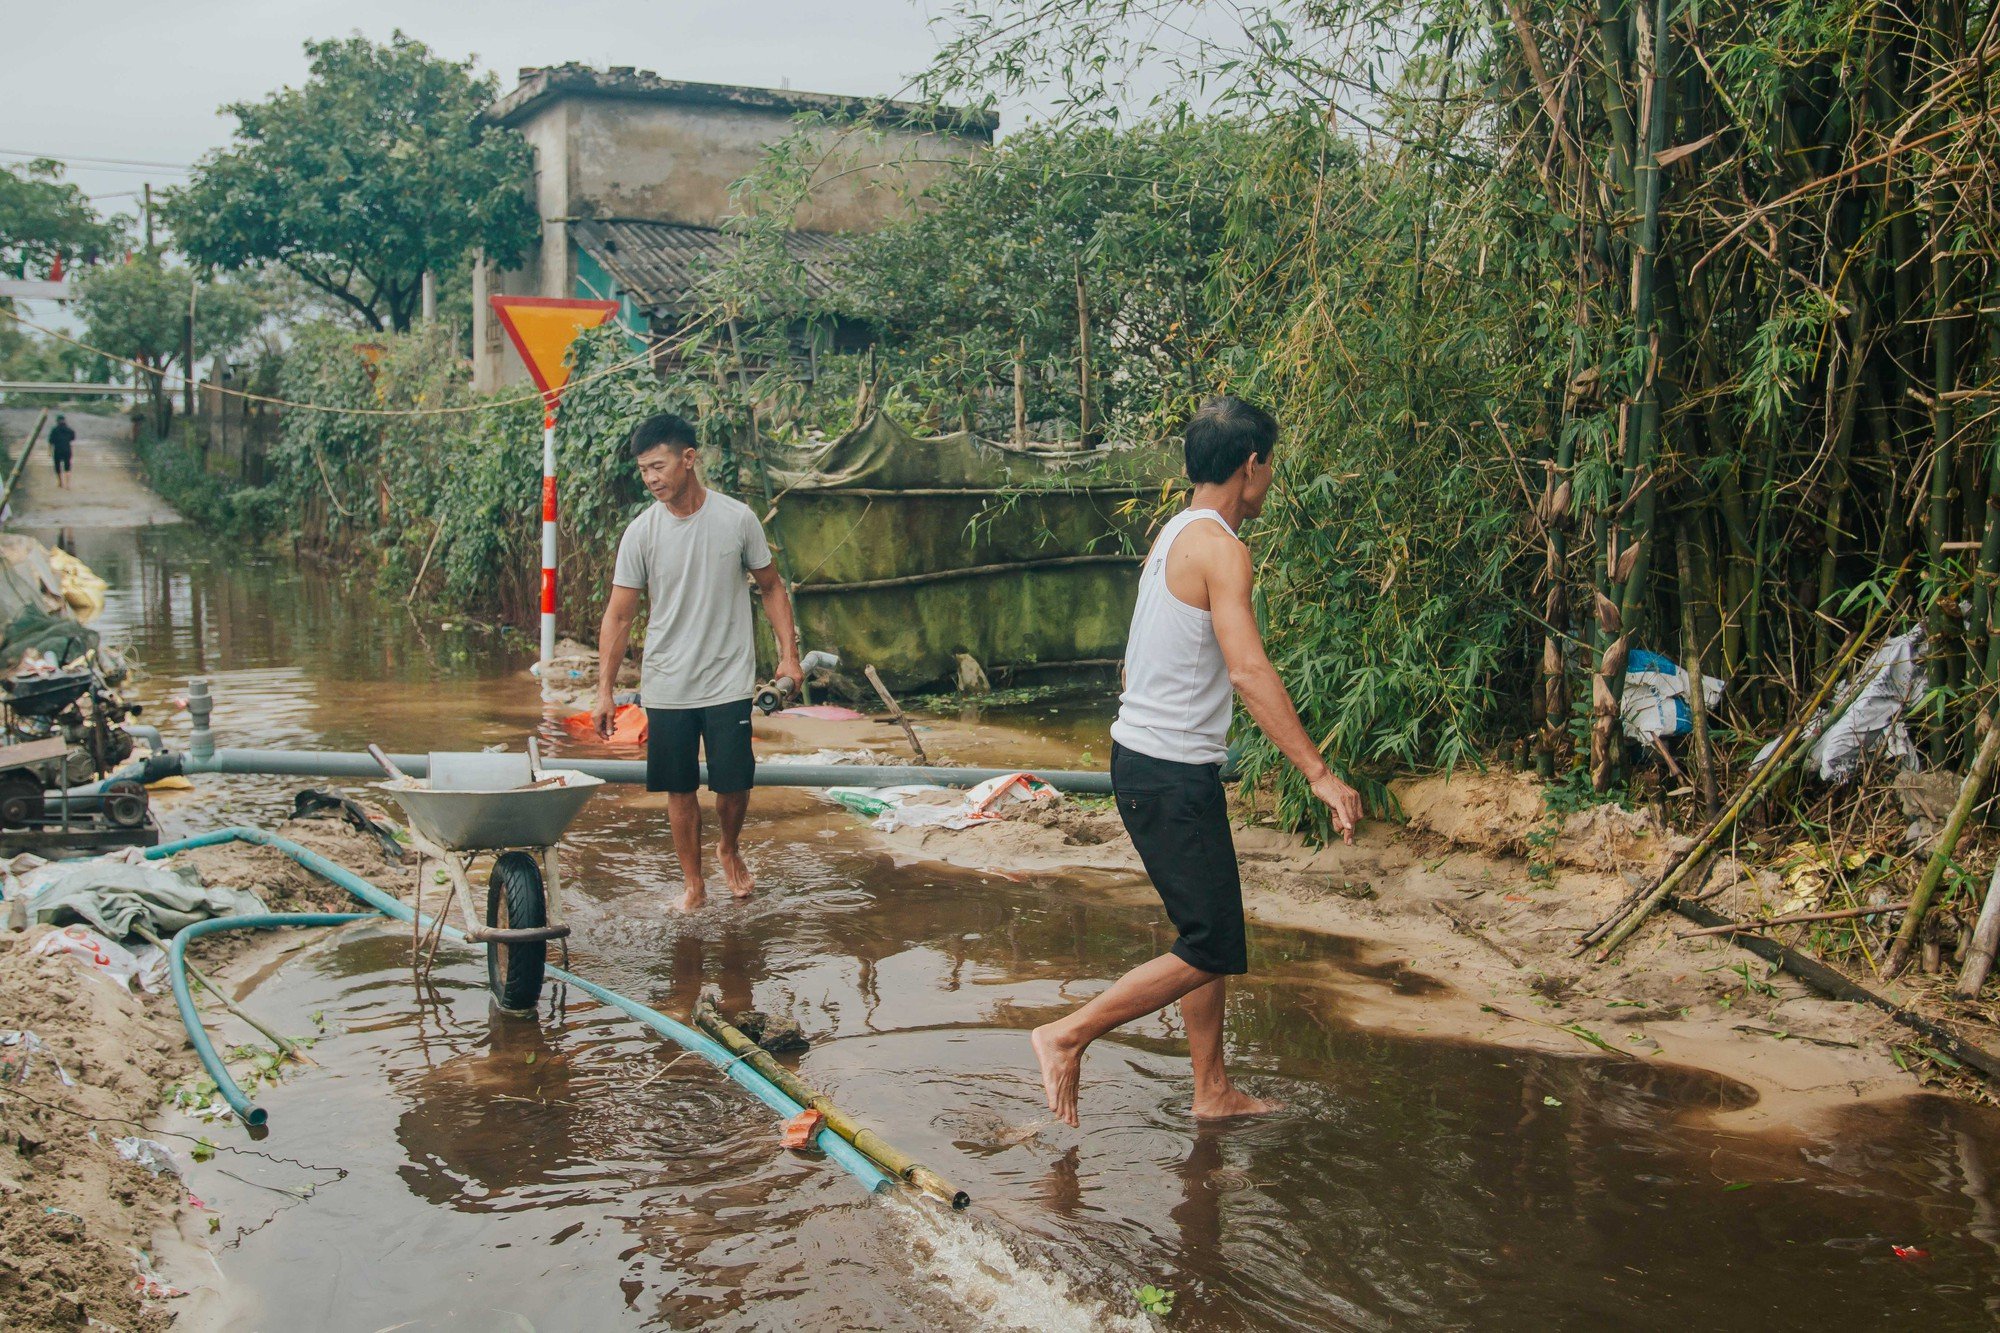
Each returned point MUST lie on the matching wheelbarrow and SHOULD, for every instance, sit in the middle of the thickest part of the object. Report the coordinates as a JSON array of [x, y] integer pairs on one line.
[[507, 806]]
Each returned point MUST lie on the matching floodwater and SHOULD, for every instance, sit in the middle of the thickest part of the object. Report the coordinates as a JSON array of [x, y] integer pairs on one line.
[[447, 1169]]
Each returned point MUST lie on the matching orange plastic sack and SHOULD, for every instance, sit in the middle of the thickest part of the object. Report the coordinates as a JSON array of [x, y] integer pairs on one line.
[[628, 726], [799, 1130]]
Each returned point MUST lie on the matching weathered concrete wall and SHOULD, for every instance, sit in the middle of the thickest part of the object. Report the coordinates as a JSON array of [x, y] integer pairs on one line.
[[608, 156], [551, 267], [677, 164]]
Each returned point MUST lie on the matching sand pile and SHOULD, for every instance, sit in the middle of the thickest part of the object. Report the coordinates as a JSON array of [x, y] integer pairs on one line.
[[1505, 812], [79, 1222]]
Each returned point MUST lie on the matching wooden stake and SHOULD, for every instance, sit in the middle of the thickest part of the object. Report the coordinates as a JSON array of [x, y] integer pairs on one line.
[[896, 714]]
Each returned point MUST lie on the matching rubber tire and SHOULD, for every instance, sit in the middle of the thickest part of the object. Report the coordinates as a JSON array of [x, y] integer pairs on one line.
[[515, 900]]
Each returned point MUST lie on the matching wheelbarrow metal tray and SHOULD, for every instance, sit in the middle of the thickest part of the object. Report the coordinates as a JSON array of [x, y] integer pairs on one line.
[[474, 821]]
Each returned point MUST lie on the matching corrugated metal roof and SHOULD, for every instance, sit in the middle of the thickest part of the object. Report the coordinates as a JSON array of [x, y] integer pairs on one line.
[[660, 265]]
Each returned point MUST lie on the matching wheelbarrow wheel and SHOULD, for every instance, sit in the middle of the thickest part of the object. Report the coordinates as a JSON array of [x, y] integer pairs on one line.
[[515, 901]]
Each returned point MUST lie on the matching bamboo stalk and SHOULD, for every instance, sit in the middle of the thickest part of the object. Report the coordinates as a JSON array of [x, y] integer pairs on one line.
[[1021, 390], [1961, 811], [1985, 942], [1796, 918], [1691, 648], [866, 1141], [1754, 787], [1832, 984], [284, 1044], [1085, 423]]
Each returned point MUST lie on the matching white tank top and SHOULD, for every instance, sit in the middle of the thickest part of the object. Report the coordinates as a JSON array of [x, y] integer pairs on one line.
[[1177, 694]]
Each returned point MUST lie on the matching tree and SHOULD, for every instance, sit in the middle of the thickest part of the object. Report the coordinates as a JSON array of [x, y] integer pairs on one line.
[[1012, 255], [43, 217], [375, 171], [140, 311]]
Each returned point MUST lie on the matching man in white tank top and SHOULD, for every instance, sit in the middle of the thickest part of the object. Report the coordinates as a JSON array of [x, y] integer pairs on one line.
[[1194, 639]]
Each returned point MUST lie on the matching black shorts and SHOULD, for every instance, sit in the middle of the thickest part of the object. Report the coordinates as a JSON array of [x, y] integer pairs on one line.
[[1179, 820], [60, 455], [720, 733]]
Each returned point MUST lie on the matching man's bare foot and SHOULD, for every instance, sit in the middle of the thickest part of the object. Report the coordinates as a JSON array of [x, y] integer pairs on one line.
[[1232, 1104], [736, 873], [1060, 1069], [694, 898]]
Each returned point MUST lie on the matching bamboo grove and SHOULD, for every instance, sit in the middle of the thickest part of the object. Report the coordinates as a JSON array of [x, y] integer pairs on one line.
[[1635, 324], [1773, 331]]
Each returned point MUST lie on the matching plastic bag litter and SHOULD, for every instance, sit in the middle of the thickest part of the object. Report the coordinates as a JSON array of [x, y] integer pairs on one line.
[[928, 806], [124, 966], [823, 713], [155, 1156], [1655, 702], [1890, 682], [18, 1050]]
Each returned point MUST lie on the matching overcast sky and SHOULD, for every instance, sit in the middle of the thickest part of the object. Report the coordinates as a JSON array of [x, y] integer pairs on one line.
[[141, 82]]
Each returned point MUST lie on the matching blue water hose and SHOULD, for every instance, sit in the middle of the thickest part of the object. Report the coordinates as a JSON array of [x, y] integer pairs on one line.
[[247, 1111], [871, 1176]]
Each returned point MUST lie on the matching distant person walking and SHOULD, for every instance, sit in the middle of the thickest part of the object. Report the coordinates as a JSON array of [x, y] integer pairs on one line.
[[62, 453], [688, 553], [1194, 637]]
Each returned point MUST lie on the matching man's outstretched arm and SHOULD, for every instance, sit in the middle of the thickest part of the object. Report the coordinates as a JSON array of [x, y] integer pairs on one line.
[[614, 633], [1226, 569]]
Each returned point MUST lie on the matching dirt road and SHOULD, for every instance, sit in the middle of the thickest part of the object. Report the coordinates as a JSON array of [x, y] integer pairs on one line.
[[105, 490]]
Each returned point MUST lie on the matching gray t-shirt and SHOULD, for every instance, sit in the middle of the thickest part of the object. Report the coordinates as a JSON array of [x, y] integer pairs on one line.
[[699, 645]]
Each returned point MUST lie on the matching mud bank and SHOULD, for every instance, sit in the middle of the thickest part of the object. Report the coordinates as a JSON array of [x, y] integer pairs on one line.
[[88, 1236]]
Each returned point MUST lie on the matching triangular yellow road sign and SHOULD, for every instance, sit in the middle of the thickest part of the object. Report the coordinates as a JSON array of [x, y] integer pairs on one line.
[[542, 329]]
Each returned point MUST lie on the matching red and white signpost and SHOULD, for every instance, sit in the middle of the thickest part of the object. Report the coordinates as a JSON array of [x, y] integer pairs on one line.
[[542, 329]]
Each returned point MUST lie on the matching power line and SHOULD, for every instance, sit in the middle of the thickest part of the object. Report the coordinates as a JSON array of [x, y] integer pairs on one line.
[[96, 163]]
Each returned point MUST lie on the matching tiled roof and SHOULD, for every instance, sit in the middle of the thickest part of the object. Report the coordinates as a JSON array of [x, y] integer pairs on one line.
[[661, 264]]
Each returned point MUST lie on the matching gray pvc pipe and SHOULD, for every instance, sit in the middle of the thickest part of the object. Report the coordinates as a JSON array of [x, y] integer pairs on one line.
[[770, 773]]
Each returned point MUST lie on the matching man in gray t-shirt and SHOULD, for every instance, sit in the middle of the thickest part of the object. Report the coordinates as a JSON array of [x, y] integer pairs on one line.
[[688, 553]]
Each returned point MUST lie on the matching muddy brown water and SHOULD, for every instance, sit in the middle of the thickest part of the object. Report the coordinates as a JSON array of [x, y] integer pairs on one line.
[[447, 1169]]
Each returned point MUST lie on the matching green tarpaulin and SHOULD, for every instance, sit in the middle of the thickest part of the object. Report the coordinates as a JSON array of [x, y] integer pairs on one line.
[[906, 550]]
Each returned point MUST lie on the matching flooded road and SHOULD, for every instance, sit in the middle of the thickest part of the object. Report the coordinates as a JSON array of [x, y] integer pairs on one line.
[[450, 1170]]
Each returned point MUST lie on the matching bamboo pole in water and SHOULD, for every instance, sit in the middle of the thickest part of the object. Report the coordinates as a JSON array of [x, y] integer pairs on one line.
[[865, 1140]]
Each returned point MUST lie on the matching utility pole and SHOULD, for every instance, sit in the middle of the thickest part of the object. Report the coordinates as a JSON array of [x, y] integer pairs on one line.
[[187, 357], [430, 300], [149, 217]]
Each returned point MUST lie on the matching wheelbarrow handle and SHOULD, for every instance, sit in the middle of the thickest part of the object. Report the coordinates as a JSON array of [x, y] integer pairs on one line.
[[376, 753]]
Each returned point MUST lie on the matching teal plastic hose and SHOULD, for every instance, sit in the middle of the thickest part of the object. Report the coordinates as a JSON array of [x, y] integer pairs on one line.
[[839, 1150], [247, 1111]]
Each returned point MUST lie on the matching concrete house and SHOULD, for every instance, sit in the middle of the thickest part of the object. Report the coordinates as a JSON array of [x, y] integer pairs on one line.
[[632, 179]]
